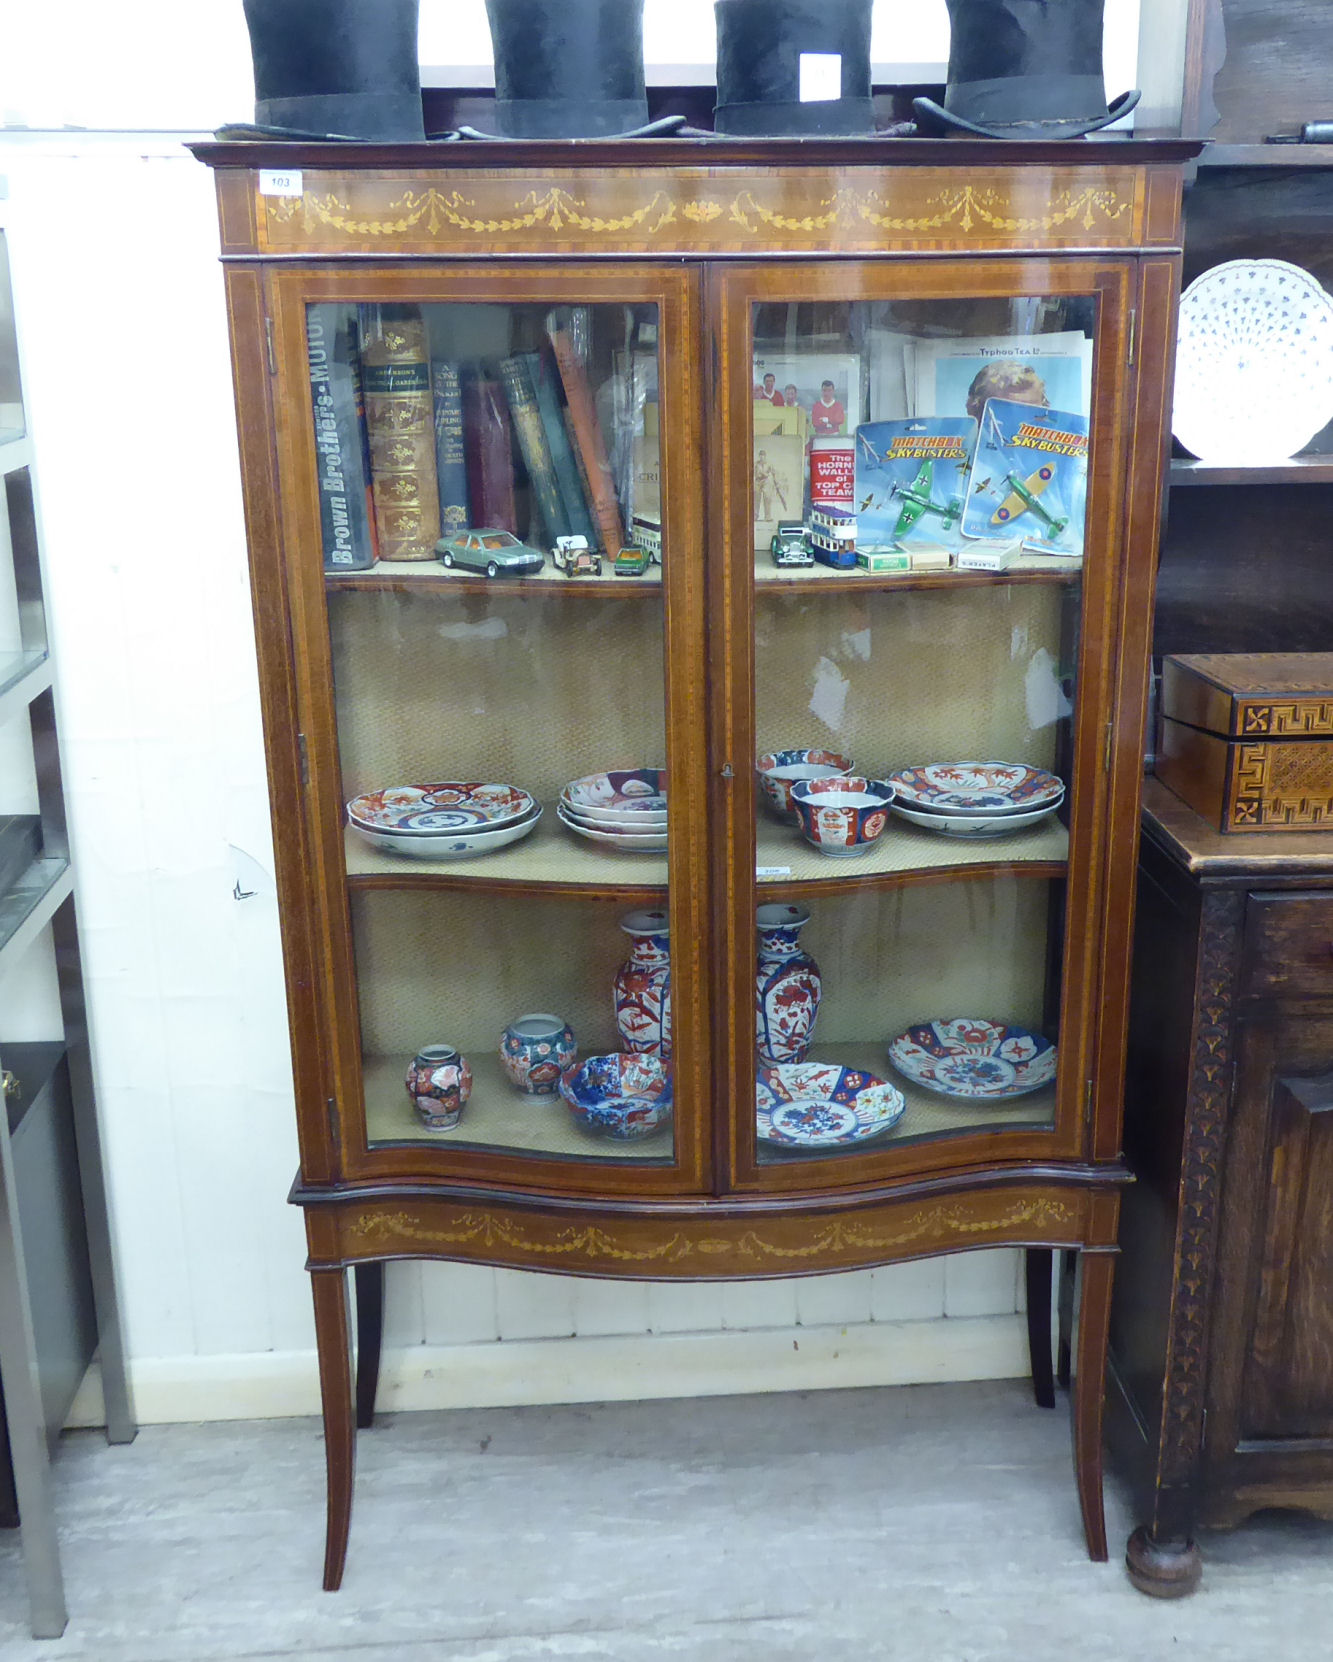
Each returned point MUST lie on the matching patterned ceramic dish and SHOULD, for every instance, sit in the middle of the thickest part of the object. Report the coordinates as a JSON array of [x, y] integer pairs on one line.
[[976, 787], [781, 769], [1254, 362], [975, 825], [968, 1056], [820, 1105], [652, 842], [623, 1095], [451, 845], [622, 791], [842, 815], [431, 810], [651, 815]]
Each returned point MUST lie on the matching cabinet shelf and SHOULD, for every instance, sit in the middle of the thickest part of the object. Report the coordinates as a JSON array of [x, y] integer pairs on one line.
[[15, 450], [27, 907], [552, 861], [1267, 155], [22, 676], [1299, 470], [1044, 569], [407, 577]]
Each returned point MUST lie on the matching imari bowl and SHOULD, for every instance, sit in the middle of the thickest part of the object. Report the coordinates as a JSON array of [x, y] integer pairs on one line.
[[781, 769], [977, 787], [842, 816], [820, 1105], [968, 1056], [623, 1095], [436, 810]]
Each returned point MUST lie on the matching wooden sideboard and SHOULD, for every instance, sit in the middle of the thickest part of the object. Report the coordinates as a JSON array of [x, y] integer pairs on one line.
[[1221, 1372]]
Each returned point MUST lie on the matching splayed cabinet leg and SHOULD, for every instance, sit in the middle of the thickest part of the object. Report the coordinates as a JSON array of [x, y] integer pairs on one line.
[[333, 1338], [1096, 1271]]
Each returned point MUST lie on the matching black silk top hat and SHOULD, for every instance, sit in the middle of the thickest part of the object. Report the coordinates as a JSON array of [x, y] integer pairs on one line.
[[1024, 69], [793, 67], [334, 69], [570, 69]]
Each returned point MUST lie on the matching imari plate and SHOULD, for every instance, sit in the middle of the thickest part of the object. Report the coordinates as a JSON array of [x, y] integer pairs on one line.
[[429, 810], [820, 1105], [967, 1056], [623, 791], [976, 787]]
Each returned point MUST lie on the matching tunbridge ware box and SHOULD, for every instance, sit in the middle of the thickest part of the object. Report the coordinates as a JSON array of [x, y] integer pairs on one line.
[[1247, 738]]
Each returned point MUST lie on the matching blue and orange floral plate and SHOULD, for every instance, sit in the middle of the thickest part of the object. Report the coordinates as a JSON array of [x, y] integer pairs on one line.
[[821, 1105]]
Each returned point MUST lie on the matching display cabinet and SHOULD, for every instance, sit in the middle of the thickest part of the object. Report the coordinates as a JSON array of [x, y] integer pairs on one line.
[[710, 353]]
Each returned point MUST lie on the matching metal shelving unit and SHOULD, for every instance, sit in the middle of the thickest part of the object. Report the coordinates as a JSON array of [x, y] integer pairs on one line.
[[58, 1305]]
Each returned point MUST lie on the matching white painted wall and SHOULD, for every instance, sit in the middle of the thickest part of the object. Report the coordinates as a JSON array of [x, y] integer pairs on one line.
[[126, 369]]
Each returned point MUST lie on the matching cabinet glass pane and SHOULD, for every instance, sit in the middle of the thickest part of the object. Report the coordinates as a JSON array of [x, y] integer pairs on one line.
[[496, 622], [919, 480]]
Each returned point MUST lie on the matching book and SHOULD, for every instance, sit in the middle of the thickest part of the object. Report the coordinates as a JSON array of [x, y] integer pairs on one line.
[[1029, 477], [487, 457], [779, 483], [545, 380], [450, 466], [591, 447], [346, 512], [400, 423], [536, 451], [911, 479], [956, 377], [646, 486]]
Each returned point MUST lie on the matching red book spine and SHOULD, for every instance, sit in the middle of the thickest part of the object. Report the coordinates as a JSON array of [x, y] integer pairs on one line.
[[487, 456], [588, 433]]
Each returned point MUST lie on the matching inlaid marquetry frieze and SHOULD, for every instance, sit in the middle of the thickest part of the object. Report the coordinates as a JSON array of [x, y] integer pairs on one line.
[[654, 1248], [705, 210]]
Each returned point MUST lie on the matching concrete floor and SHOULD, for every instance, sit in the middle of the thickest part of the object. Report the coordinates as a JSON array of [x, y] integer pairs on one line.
[[933, 1523]]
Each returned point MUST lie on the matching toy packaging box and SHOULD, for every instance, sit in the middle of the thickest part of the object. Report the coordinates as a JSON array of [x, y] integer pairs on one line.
[[911, 479], [1029, 477]]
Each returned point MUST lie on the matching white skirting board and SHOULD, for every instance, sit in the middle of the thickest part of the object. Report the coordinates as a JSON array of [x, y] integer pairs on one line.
[[510, 1373]]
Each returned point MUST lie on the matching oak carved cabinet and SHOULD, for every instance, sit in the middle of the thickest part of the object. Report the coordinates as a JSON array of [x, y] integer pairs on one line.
[[641, 338]]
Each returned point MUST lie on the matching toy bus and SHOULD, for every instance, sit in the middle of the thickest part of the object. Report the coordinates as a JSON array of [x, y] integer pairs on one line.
[[833, 536], [645, 532]]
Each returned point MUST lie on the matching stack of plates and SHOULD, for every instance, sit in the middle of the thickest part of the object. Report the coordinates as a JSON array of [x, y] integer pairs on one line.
[[452, 820], [975, 799], [624, 809]]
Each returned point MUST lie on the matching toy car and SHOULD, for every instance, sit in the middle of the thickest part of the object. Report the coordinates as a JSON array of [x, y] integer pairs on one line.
[[631, 562], [497, 553], [573, 556], [789, 546]]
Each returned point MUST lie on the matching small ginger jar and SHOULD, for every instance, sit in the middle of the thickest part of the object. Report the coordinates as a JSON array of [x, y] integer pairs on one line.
[[535, 1050], [439, 1082]]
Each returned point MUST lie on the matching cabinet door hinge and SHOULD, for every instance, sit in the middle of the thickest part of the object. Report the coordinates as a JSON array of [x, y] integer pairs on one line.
[[1108, 744], [1132, 345], [1203, 1429], [305, 758], [335, 1125], [1088, 1088], [268, 341]]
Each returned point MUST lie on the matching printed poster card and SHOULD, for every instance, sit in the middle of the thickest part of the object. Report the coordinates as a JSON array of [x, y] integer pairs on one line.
[[956, 377]]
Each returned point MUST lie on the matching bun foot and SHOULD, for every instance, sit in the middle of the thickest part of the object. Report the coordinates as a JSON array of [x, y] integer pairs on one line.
[[1162, 1569]]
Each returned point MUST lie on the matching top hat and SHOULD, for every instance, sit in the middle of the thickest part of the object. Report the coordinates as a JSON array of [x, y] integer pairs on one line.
[[334, 69], [1025, 69], [570, 69], [793, 67]]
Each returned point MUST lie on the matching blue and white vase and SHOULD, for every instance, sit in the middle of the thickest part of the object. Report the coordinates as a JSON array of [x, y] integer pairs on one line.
[[535, 1050], [642, 986], [787, 986]]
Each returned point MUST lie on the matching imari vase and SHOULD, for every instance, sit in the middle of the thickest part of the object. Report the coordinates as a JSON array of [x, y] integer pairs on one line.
[[787, 986], [642, 986], [439, 1082], [535, 1050]]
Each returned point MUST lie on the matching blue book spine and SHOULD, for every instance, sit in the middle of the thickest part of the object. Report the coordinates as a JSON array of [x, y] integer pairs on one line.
[[345, 513], [542, 376], [450, 466]]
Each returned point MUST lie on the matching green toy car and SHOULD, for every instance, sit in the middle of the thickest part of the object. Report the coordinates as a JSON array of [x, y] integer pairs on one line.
[[631, 562]]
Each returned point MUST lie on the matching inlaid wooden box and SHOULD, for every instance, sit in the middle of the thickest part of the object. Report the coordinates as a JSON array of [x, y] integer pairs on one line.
[[1247, 738]]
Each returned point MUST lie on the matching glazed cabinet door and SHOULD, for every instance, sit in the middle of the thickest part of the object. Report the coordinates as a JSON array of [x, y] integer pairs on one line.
[[491, 519], [923, 503]]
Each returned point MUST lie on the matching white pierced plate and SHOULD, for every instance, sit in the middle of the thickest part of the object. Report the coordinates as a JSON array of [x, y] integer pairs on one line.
[[1254, 362], [653, 843]]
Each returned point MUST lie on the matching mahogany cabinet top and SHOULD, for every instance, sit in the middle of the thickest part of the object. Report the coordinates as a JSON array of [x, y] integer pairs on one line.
[[697, 197]]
